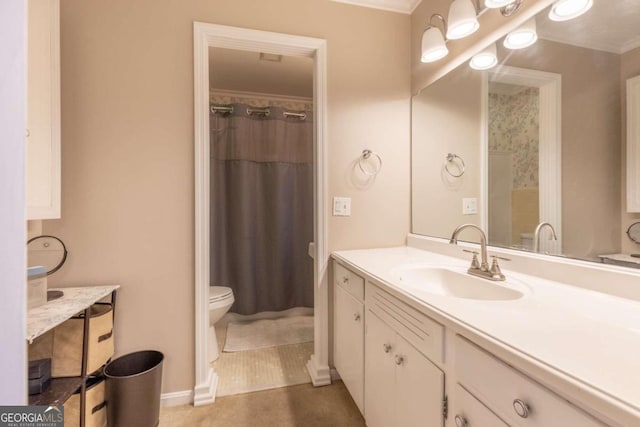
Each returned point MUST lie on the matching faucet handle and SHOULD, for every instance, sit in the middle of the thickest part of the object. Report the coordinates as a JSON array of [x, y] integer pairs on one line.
[[475, 264], [495, 268]]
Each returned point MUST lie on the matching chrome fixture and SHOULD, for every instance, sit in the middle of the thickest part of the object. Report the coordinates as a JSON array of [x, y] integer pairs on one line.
[[564, 10], [511, 8], [480, 269], [433, 43], [523, 36], [373, 157], [486, 59], [454, 159], [463, 19], [536, 235]]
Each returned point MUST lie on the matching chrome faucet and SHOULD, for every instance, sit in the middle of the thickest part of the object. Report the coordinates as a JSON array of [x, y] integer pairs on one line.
[[482, 268], [536, 235]]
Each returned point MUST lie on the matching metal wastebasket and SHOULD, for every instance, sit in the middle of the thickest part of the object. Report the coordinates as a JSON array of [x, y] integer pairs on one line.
[[133, 389]]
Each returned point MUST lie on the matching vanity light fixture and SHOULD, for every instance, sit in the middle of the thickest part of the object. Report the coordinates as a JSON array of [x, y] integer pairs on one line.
[[463, 20], [563, 10], [486, 59], [522, 37], [433, 44]]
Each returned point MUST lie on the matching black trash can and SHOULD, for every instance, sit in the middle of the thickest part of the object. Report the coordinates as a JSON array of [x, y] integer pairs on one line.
[[133, 389]]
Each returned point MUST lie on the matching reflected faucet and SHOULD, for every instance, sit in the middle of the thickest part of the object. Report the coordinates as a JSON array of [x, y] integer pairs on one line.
[[536, 235], [481, 269]]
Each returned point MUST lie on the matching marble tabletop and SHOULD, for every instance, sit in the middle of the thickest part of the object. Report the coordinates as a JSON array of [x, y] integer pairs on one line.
[[51, 314]]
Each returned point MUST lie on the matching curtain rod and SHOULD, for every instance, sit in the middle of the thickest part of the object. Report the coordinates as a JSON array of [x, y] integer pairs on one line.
[[223, 109]]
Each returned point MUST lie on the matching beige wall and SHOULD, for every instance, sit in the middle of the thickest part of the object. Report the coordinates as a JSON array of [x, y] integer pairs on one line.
[[629, 67], [442, 124], [127, 137], [590, 142]]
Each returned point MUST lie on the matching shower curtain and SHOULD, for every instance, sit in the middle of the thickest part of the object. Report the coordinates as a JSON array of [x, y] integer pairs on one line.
[[262, 208]]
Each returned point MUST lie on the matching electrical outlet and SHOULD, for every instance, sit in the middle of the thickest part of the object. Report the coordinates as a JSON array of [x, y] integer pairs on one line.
[[469, 206], [342, 206]]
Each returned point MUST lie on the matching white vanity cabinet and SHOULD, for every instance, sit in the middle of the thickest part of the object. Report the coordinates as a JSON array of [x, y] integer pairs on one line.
[[43, 110], [403, 387], [348, 352], [470, 412], [512, 396]]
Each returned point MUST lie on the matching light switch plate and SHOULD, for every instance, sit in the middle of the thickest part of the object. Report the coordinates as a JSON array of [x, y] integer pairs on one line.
[[342, 206], [469, 206]]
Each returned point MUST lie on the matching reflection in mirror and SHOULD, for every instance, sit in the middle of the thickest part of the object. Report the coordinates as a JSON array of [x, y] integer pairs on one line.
[[534, 155]]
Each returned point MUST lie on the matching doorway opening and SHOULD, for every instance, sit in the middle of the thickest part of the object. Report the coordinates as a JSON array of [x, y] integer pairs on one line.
[[208, 198], [261, 219], [522, 165]]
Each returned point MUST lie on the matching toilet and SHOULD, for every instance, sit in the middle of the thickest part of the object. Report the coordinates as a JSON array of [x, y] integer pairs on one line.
[[220, 301]]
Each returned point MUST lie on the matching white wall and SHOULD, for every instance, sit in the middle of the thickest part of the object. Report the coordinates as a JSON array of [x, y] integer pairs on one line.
[[12, 211]]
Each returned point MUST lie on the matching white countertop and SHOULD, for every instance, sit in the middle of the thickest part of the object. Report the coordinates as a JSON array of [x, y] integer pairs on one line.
[[592, 337], [51, 314]]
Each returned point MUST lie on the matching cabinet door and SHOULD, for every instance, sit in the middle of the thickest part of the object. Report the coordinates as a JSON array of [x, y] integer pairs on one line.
[[43, 110], [348, 352], [419, 388], [379, 376]]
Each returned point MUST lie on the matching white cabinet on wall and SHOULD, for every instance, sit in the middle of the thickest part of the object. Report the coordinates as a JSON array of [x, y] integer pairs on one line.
[[43, 109], [403, 387], [348, 353]]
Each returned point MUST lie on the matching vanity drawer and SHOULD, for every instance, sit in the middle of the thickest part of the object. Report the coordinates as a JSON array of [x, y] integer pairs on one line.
[[424, 333], [349, 281], [470, 412], [506, 391]]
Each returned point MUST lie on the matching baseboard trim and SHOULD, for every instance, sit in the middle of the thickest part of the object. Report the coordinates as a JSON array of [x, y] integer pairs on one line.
[[335, 376], [176, 398], [320, 375], [205, 394]]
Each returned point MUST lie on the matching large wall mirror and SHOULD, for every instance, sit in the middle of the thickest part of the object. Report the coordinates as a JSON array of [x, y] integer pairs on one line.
[[539, 138]]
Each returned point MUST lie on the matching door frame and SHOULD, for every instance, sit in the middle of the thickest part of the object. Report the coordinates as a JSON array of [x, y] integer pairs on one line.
[[212, 35], [550, 144]]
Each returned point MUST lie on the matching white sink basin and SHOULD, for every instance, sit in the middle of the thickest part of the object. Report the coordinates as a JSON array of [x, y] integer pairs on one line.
[[459, 284]]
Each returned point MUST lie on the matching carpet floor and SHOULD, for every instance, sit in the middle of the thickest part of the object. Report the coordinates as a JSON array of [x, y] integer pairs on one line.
[[296, 406]]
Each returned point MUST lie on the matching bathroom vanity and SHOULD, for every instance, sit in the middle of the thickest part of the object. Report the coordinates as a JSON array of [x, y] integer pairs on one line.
[[418, 341]]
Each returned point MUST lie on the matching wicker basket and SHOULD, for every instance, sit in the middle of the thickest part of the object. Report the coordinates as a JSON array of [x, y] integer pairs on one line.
[[96, 408], [67, 342]]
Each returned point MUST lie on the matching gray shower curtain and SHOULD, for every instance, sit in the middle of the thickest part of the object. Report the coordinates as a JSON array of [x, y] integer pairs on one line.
[[262, 209]]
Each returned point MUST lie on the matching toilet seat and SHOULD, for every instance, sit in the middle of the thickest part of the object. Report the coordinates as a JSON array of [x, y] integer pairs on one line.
[[218, 293]]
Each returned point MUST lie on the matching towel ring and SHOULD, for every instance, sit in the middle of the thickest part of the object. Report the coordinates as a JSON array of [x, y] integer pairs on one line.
[[451, 158], [366, 155]]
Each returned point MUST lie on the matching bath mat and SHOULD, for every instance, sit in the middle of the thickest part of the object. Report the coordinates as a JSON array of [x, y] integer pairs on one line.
[[255, 334]]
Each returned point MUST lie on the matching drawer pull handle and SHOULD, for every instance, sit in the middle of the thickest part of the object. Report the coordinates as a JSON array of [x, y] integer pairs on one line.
[[387, 347], [105, 336], [356, 317], [345, 280], [521, 408], [461, 421], [399, 359]]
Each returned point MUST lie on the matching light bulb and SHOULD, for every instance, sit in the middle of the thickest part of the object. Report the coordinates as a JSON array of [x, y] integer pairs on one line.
[[486, 59], [522, 37], [462, 19], [563, 10], [495, 4], [433, 45]]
